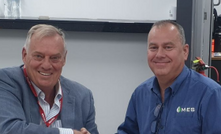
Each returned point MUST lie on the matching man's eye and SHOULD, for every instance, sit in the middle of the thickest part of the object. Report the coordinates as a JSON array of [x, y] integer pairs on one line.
[[55, 58], [38, 56], [168, 47], [152, 48]]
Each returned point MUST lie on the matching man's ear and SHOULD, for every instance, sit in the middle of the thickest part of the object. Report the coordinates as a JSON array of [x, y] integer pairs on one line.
[[65, 55], [186, 51], [24, 54]]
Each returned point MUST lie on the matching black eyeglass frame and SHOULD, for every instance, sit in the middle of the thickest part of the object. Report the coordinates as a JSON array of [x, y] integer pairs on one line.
[[155, 125]]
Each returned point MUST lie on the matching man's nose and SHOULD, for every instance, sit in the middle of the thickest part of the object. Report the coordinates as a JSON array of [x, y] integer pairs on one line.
[[160, 52], [46, 64]]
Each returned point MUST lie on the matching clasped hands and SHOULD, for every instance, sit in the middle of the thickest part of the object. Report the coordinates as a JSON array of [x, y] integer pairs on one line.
[[82, 131]]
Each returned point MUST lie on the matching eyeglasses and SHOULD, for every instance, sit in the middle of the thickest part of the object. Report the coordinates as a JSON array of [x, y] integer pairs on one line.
[[155, 126]]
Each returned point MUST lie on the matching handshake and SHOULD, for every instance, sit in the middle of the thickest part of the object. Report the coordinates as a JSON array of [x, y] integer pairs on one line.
[[82, 131]]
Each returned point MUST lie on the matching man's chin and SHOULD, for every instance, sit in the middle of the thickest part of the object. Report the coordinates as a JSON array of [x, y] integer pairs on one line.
[[44, 84], [161, 74]]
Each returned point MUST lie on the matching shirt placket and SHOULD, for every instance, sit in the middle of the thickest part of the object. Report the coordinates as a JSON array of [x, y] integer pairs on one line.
[[165, 112]]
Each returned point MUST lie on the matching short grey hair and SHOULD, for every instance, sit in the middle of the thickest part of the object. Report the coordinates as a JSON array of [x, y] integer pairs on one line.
[[178, 26], [43, 30]]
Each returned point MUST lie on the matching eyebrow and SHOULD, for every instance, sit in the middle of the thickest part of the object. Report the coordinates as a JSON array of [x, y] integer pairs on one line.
[[57, 54], [169, 43], [151, 43], [36, 52], [165, 43]]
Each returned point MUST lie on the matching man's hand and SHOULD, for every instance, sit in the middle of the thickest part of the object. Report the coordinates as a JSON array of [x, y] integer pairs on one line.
[[82, 131]]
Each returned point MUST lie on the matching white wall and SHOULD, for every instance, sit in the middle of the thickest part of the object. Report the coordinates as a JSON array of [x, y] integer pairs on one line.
[[112, 65], [98, 9]]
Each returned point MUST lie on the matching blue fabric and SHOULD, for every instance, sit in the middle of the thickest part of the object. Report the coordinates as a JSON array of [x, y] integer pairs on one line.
[[192, 105], [19, 111]]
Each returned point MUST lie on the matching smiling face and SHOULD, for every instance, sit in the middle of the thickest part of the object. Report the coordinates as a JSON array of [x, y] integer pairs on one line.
[[166, 54], [44, 60]]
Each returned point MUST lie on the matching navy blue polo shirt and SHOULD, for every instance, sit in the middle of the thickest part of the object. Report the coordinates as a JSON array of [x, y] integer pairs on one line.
[[192, 105]]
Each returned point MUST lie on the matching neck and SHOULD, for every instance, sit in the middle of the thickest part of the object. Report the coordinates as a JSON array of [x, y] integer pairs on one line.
[[164, 83], [49, 96]]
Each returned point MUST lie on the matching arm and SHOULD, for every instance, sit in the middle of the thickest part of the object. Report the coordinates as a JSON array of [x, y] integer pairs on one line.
[[70, 131], [80, 108], [15, 117], [90, 123], [211, 113], [129, 126], [13, 120]]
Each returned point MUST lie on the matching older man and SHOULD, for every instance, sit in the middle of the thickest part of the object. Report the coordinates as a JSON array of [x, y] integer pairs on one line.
[[36, 99]]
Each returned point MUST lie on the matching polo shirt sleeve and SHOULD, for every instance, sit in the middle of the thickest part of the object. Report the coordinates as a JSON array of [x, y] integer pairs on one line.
[[211, 112], [129, 126]]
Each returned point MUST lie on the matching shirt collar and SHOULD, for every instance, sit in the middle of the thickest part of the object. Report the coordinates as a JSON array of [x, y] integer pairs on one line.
[[175, 85], [178, 83], [57, 88]]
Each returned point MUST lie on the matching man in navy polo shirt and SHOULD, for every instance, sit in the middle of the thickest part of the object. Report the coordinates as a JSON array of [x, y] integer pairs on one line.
[[177, 100]]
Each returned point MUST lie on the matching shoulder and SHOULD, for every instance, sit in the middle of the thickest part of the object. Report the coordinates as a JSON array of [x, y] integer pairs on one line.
[[200, 80], [203, 84], [74, 87], [145, 86], [13, 82], [12, 75], [11, 71]]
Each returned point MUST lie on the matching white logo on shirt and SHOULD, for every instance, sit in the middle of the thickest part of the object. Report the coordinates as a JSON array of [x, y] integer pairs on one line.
[[185, 109]]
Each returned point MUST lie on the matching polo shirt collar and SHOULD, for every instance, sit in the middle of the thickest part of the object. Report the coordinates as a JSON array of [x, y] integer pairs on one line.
[[178, 83], [175, 85]]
